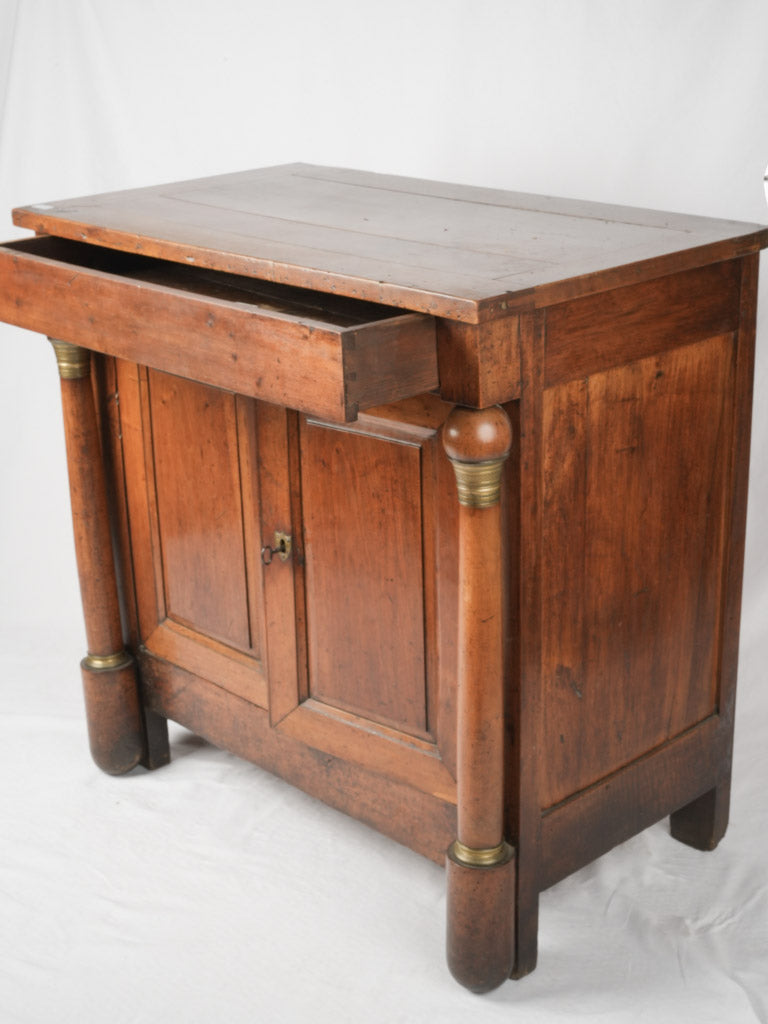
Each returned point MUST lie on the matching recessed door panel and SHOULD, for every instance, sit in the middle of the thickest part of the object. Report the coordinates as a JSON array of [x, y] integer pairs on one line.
[[362, 518], [199, 507]]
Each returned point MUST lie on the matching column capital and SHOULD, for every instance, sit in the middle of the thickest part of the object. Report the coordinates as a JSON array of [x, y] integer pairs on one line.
[[73, 361], [477, 443]]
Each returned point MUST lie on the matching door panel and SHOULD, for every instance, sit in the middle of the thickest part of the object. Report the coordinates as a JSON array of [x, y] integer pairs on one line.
[[361, 499], [193, 503], [374, 571], [199, 507]]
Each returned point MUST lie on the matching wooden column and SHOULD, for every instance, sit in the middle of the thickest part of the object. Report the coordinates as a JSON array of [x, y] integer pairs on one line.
[[480, 864], [112, 704]]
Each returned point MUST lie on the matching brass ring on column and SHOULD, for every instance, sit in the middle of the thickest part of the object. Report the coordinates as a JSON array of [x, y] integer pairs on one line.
[[107, 662], [480, 858]]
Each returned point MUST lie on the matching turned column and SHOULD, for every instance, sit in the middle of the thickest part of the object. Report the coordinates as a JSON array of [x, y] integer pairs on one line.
[[480, 864], [109, 674]]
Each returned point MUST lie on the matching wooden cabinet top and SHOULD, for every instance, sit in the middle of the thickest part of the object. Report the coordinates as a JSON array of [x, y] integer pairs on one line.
[[454, 251]]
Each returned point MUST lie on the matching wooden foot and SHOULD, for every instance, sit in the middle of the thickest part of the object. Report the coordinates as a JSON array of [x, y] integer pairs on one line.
[[526, 934], [113, 709], [158, 750], [702, 823], [480, 866]]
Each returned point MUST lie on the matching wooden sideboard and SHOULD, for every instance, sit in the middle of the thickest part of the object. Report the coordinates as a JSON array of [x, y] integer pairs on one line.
[[428, 498]]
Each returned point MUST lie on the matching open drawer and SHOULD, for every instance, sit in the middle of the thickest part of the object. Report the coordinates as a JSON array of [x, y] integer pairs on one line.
[[322, 354]]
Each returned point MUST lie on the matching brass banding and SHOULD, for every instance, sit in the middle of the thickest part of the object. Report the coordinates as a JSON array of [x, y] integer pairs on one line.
[[482, 858], [478, 483], [74, 361], [106, 662]]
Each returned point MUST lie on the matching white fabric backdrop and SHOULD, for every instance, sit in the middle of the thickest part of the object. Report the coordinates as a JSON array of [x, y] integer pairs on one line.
[[211, 891]]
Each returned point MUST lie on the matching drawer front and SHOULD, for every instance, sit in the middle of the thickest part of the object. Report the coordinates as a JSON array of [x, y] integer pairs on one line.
[[173, 318]]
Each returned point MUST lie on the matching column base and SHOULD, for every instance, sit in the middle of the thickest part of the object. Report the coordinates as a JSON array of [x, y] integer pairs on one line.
[[113, 712], [481, 903]]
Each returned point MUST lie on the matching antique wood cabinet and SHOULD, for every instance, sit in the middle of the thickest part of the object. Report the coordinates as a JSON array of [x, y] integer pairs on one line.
[[428, 498]]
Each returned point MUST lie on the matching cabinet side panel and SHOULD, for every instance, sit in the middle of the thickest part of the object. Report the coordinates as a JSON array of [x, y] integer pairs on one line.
[[635, 481]]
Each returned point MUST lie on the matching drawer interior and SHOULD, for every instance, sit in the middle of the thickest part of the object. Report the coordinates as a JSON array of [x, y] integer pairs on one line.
[[303, 303]]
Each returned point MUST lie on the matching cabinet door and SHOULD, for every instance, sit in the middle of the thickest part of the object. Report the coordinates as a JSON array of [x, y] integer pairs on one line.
[[190, 453], [349, 644], [374, 572]]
